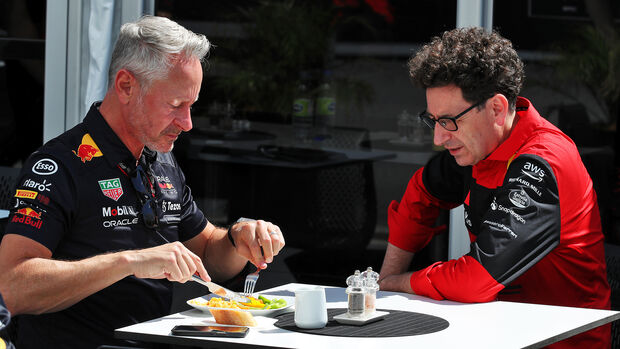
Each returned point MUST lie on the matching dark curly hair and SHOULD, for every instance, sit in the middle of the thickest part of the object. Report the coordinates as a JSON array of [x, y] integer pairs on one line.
[[478, 62]]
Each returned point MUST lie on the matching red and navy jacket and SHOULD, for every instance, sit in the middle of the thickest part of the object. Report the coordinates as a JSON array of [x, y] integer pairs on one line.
[[532, 217]]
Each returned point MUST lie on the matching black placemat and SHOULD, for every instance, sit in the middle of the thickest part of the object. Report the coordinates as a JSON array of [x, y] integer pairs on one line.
[[396, 324]]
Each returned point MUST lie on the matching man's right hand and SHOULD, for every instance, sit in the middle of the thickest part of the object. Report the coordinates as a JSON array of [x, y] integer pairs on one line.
[[172, 261]]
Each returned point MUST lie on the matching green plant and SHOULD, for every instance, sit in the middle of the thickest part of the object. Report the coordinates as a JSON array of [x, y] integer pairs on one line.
[[594, 60], [281, 40]]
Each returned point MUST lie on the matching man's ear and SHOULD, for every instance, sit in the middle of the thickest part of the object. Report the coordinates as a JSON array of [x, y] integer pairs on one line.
[[499, 106], [125, 85]]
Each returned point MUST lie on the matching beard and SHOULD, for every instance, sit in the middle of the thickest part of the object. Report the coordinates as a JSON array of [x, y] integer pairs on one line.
[[141, 126]]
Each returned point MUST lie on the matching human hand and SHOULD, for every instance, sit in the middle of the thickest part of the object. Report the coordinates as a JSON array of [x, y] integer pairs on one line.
[[252, 235], [396, 283], [172, 261]]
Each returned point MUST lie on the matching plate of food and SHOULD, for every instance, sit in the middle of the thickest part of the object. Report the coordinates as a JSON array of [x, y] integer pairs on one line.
[[261, 305]]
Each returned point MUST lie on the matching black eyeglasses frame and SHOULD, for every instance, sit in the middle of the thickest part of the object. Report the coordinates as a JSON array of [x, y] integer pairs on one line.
[[443, 121]]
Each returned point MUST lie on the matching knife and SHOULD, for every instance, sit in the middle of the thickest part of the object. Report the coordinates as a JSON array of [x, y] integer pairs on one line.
[[221, 291]]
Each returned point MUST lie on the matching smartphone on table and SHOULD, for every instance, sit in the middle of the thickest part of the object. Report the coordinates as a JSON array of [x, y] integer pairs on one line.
[[210, 331]]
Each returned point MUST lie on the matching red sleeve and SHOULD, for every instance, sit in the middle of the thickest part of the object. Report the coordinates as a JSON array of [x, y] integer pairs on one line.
[[461, 280], [411, 221]]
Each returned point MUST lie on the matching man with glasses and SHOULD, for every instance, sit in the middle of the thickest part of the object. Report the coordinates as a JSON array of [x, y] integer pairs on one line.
[[530, 207], [103, 220]]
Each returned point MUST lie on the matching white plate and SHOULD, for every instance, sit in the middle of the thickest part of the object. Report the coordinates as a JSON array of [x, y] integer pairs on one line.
[[290, 301]]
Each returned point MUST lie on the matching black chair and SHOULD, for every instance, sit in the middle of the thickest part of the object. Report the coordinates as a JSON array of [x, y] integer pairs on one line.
[[327, 206], [612, 258], [8, 182], [332, 206]]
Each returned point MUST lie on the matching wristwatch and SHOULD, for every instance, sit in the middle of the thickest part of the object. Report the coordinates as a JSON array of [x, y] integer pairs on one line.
[[242, 219]]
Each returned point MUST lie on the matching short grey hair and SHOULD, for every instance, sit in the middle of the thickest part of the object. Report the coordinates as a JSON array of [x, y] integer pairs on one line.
[[148, 46]]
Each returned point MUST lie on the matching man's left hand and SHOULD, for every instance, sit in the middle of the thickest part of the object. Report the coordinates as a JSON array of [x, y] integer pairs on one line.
[[258, 241]]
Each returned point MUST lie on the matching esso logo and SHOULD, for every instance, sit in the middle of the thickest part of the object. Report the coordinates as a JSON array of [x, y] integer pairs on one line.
[[45, 167]]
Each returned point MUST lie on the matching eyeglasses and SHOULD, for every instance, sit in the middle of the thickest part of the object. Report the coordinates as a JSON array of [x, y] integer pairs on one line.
[[449, 123], [146, 197]]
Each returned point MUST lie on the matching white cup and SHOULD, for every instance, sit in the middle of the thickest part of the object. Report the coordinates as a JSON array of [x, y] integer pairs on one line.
[[310, 307]]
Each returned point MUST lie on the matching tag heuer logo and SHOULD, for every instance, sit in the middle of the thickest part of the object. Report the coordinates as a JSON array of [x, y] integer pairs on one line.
[[111, 188]]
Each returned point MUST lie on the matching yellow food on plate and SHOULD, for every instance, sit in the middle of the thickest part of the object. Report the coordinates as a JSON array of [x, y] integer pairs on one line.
[[233, 317], [254, 303], [222, 303], [216, 302], [238, 313]]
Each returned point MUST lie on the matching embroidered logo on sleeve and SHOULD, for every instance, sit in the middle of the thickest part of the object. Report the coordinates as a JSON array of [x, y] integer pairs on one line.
[[499, 207], [166, 185], [40, 186], [28, 216], [26, 194], [111, 188], [87, 149], [533, 171], [519, 198], [45, 167]]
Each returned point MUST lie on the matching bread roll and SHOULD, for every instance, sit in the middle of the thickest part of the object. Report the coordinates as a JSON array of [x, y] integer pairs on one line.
[[233, 317]]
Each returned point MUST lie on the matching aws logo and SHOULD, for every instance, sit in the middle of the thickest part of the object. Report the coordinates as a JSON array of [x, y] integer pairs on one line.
[[87, 149], [534, 172]]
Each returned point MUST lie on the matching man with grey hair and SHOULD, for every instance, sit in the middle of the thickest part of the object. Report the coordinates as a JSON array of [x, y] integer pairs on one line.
[[103, 220]]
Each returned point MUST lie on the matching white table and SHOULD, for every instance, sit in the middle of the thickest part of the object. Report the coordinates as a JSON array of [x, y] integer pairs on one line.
[[481, 325]]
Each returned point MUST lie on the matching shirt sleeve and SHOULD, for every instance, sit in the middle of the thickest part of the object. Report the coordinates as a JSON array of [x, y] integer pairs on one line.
[[193, 220], [520, 227], [44, 201], [438, 185]]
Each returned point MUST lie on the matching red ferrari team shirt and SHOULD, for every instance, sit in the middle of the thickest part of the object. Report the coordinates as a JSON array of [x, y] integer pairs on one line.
[[533, 220]]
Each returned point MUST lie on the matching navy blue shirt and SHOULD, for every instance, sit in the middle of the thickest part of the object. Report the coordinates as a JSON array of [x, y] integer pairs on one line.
[[73, 197]]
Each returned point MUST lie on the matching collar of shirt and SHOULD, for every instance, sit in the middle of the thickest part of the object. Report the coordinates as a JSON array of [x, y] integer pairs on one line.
[[529, 120], [112, 148]]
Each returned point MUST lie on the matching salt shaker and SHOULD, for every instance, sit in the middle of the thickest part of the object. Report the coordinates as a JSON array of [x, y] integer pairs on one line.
[[371, 287], [356, 295]]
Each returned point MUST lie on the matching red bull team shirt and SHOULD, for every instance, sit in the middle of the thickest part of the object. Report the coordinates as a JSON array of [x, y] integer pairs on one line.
[[73, 198]]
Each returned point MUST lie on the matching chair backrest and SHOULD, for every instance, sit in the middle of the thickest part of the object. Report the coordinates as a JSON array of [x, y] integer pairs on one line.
[[612, 257], [8, 182], [348, 138]]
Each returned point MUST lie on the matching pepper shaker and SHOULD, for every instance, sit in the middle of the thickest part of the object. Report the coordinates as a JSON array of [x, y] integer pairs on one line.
[[356, 295]]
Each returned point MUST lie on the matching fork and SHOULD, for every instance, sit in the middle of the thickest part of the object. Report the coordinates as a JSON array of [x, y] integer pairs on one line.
[[250, 283]]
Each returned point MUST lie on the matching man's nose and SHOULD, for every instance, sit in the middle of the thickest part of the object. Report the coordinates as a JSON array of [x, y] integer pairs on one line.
[[184, 119], [440, 135]]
